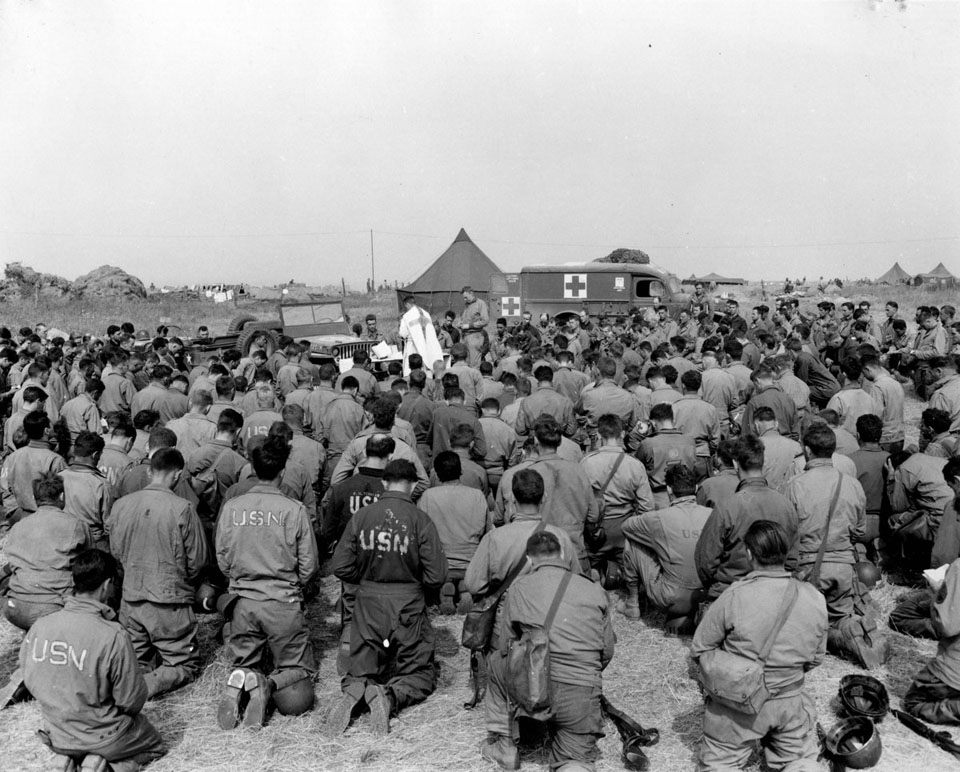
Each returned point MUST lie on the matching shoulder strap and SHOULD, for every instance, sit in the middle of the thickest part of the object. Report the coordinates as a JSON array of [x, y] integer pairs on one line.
[[815, 576], [556, 601], [786, 606], [616, 466]]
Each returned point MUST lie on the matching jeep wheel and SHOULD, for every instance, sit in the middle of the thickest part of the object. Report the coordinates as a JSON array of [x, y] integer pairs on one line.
[[247, 337], [239, 321]]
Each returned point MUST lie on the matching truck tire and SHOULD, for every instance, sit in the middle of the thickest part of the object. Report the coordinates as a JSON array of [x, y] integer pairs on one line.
[[239, 321], [247, 336]]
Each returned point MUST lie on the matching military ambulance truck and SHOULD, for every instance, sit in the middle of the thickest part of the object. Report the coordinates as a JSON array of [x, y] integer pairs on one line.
[[598, 288]]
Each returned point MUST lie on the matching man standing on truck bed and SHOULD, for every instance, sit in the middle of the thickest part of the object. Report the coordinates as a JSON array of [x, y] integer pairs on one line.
[[473, 323]]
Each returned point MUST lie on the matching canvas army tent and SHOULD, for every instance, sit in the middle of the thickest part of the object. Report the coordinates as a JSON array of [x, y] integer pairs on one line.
[[938, 276], [716, 278], [462, 264], [896, 275]]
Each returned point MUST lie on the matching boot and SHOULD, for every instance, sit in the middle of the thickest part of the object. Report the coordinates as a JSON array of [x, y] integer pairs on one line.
[[631, 605], [446, 599], [339, 718], [230, 708], [500, 750], [381, 702], [466, 600], [259, 689]]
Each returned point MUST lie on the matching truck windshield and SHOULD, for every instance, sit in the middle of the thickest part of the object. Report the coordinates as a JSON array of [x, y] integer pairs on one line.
[[316, 313]]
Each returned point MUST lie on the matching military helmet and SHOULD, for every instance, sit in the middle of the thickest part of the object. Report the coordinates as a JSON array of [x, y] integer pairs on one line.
[[205, 601], [296, 698], [867, 573], [863, 695], [854, 742]]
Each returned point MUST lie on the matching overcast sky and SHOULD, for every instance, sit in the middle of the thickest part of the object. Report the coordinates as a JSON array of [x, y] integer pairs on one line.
[[202, 141]]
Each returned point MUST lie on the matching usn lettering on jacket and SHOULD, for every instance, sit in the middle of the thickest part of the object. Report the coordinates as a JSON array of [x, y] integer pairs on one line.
[[388, 536], [58, 653], [257, 517]]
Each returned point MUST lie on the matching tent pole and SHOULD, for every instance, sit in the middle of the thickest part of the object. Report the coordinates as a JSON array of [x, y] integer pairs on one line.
[[373, 273]]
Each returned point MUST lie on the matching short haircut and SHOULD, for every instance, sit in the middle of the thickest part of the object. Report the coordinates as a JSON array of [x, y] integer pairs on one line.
[[166, 460], [417, 379], [94, 386], [454, 393], [282, 431], [767, 542], [527, 486], [91, 568], [936, 419], [35, 424], [490, 403], [293, 414], [764, 413], [328, 372], [226, 386], [821, 440], [349, 382], [669, 373], [119, 425], [763, 373], [869, 428], [832, 417], [380, 445], [400, 470], [384, 412], [87, 444], [161, 372], [543, 544], [34, 394], [727, 451], [681, 480], [607, 367], [609, 426], [48, 487], [691, 380], [750, 453], [851, 369], [203, 398], [270, 457], [547, 431], [447, 466], [661, 412], [229, 421], [544, 373], [462, 436], [146, 419], [162, 437]]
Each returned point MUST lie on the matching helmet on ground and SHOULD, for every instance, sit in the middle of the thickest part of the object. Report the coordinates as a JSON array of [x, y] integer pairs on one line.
[[868, 573], [854, 742], [863, 695], [296, 698], [205, 601]]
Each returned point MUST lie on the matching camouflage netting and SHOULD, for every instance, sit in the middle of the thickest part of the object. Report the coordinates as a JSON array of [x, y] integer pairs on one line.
[[625, 256], [21, 282], [107, 281]]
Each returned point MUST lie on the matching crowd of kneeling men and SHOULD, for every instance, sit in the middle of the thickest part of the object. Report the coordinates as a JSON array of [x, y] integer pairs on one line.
[[743, 479]]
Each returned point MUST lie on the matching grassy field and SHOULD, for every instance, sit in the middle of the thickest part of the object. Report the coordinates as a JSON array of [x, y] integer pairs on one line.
[[649, 676]]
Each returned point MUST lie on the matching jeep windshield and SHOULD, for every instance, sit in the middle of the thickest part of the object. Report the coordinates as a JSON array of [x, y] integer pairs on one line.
[[304, 320]]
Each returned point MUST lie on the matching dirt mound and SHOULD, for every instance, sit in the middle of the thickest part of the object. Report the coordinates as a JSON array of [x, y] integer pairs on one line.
[[108, 281], [21, 281], [625, 256]]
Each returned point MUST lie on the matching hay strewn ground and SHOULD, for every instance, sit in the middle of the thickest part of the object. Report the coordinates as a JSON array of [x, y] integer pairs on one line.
[[649, 677]]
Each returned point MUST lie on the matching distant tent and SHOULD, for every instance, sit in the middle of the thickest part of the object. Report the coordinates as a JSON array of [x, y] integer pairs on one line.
[[716, 278], [896, 275], [938, 276], [463, 264]]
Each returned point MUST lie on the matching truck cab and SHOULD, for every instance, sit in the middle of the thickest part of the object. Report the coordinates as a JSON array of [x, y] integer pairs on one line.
[[601, 289]]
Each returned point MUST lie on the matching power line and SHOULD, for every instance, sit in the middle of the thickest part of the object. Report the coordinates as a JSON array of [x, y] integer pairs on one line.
[[651, 247]]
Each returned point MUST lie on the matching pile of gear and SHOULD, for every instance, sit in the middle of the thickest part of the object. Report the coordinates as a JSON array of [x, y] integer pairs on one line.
[[854, 742]]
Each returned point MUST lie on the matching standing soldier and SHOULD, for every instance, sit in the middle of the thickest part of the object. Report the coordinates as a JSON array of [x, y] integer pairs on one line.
[[267, 550], [158, 591], [473, 322], [393, 551]]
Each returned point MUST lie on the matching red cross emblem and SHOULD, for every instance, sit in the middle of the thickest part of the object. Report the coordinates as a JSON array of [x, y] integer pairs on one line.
[[574, 285]]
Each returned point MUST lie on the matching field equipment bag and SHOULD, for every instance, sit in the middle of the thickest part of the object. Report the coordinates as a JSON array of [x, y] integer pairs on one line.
[[594, 535], [480, 619], [206, 485], [736, 681], [528, 663]]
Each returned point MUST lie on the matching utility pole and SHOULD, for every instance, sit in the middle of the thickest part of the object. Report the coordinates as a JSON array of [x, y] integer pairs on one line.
[[373, 271]]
